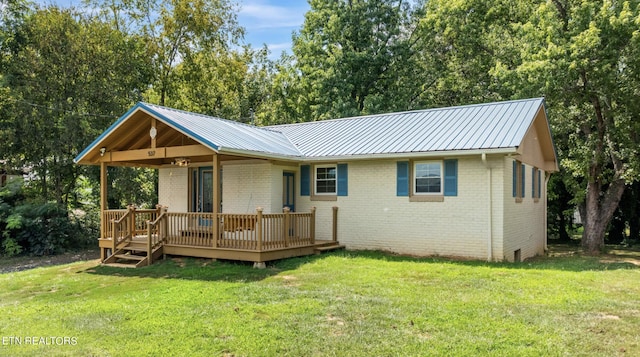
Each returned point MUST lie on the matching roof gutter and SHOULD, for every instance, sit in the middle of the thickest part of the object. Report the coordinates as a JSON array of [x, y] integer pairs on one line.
[[258, 155], [408, 155]]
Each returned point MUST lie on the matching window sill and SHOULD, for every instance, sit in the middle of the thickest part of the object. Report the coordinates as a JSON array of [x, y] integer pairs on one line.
[[518, 199], [324, 198], [426, 198], [536, 200]]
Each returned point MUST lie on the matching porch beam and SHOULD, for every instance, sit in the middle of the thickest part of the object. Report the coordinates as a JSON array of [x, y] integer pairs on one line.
[[217, 197], [156, 153]]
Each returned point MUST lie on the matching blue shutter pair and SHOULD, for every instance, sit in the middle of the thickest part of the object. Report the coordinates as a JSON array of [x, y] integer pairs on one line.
[[515, 178], [342, 180], [450, 178], [536, 172]]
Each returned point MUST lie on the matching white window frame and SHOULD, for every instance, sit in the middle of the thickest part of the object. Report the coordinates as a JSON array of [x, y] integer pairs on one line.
[[315, 180], [414, 178]]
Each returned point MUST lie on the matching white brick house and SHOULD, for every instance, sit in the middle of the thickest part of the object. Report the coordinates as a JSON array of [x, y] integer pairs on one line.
[[465, 181]]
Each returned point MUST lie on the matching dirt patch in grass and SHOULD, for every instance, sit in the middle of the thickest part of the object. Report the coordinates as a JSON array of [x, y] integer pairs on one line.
[[614, 254], [8, 265]]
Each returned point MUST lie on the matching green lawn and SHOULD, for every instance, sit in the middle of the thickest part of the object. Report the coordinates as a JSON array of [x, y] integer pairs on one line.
[[341, 304]]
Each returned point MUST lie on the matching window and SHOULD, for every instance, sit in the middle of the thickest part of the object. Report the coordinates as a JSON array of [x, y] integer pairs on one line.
[[427, 181], [324, 182], [427, 177], [326, 179]]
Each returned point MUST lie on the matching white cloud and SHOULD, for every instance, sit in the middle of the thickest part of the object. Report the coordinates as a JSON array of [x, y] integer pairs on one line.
[[260, 15], [278, 47]]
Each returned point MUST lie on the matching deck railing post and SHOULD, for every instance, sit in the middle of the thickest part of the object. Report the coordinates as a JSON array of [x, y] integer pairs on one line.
[[115, 234], [312, 226], [287, 225], [132, 221], [335, 224], [215, 225], [165, 225], [149, 245], [259, 227]]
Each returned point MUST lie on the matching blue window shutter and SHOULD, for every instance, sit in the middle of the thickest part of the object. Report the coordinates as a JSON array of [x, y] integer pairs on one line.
[[533, 182], [343, 180], [305, 180], [402, 178], [524, 174], [539, 183], [451, 177], [515, 178]]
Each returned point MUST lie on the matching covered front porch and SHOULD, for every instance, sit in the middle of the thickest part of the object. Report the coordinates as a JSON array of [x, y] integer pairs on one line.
[[259, 222]]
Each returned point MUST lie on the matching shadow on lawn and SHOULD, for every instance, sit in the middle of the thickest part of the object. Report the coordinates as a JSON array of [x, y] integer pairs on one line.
[[206, 269], [558, 258]]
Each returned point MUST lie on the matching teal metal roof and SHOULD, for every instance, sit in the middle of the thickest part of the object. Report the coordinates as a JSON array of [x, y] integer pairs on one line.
[[480, 126]]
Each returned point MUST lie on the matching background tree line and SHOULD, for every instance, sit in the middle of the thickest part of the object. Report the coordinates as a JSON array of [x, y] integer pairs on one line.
[[67, 74]]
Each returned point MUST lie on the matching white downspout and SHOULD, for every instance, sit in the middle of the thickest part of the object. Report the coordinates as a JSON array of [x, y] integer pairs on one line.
[[547, 176], [490, 205]]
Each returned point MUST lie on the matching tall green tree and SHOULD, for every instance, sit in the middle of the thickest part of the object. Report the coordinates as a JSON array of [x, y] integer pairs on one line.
[[353, 57], [178, 34], [230, 85], [69, 77], [461, 42], [584, 56]]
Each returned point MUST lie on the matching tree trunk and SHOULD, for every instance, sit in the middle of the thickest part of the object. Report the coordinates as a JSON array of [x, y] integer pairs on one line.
[[599, 212]]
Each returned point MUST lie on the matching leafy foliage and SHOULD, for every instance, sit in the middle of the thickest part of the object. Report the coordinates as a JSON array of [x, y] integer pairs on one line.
[[35, 227]]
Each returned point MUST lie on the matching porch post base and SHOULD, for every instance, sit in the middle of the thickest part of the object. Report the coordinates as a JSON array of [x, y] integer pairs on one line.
[[260, 265]]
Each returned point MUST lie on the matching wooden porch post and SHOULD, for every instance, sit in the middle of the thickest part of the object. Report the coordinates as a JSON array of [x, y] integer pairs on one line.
[[313, 225], [259, 228], [217, 197], [335, 224], [103, 206], [103, 198], [287, 225]]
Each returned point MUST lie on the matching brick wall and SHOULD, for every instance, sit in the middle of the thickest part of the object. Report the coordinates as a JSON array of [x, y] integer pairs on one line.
[[373, 217], [173, 188], [524, 222]]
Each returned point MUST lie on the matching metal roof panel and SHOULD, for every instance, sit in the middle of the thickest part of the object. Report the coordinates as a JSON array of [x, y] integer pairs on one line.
[[477, 126]]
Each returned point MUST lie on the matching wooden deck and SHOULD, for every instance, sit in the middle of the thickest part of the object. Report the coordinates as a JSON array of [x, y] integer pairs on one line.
[[143, 236]]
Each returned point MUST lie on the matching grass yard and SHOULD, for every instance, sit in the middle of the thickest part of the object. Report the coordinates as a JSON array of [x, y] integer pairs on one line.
[[341, 304]]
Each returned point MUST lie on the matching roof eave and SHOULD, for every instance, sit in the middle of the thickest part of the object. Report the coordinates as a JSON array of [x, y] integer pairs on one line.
[[106, 133], [422, 154], [260, 155]]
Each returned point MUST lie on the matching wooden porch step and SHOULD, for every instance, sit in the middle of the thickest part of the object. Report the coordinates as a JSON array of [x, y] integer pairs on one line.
[[130, 257], [119, 265], [140, 247], [328, 247]]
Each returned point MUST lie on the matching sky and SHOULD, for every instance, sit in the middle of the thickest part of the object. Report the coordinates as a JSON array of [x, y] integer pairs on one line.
[[269, 22], [272, 22]]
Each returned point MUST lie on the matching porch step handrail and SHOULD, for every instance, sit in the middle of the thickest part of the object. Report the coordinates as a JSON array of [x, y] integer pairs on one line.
[[156, 233], [122, 228]]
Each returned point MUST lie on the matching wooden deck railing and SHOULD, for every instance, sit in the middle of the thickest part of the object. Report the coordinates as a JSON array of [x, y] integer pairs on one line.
[[190, 229], [256, 232], [107, 218]]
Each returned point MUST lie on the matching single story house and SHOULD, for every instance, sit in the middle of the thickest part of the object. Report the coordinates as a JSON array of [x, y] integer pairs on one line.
[[467, 181]]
